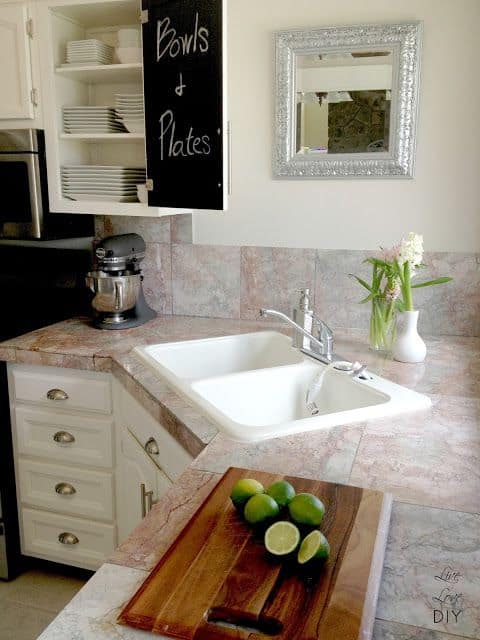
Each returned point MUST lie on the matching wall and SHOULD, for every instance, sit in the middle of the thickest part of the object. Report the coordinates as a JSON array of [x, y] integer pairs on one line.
[[442, 201], [182, 278], [279, 236]]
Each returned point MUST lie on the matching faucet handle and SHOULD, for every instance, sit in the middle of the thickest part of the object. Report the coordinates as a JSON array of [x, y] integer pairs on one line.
[[325, 335]]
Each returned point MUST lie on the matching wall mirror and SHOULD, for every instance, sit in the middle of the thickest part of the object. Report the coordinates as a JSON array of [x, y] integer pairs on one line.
[[346, 101]]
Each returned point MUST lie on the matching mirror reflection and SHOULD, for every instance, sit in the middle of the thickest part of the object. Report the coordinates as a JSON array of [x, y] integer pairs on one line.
[[343, 102]]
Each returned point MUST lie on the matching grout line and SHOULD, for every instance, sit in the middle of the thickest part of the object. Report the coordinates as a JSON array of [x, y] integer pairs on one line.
[[441, 634], [364, 428]]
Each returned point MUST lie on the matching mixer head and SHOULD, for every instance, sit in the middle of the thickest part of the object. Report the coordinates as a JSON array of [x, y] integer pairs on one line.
[[120, 253]]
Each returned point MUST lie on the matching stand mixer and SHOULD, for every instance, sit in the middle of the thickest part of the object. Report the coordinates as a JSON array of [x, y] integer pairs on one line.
[[119, 302]]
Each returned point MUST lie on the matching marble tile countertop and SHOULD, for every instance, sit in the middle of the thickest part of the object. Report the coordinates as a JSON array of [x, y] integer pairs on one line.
[[429, 460]]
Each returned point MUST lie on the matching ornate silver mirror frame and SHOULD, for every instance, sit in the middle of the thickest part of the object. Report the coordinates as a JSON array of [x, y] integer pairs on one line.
[[404, 41]]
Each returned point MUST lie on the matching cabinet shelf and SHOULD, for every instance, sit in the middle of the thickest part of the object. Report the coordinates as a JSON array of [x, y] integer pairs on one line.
[[106, 73], [103, 137]]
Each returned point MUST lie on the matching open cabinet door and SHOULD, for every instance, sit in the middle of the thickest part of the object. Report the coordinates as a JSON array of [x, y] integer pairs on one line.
[[185, 103]]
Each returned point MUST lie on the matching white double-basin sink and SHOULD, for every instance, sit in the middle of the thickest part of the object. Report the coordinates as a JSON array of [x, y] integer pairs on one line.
[[253, 386]]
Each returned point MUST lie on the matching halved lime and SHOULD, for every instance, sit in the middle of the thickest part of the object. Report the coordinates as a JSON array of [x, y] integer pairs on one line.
[[260, 508], [314, 547], [306, 508], [282, 492], [244, 489], [281, 538]]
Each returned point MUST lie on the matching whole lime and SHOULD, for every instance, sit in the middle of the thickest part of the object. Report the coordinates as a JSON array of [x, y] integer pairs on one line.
[[244, 489], [306, 508], [260, 508], [282, 492]]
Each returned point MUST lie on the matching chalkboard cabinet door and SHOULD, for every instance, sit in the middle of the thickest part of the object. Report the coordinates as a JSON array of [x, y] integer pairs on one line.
[[184, 53]]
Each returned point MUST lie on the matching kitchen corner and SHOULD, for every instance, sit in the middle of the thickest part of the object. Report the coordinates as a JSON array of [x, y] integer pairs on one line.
[[427, 460]]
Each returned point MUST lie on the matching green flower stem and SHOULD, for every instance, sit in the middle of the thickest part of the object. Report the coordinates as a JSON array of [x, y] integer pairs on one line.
[[407, 287], [382, 324]]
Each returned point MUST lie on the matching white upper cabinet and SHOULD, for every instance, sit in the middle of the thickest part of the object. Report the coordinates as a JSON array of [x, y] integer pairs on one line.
[[189, 171], [18, 97]]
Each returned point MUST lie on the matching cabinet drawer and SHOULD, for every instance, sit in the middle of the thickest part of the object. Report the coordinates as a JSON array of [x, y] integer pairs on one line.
[[66, 489], [91, 541], [79, 390], [171, 457], [90, 438]]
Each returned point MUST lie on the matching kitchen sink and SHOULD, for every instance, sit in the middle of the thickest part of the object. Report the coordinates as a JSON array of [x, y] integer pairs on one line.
[[253, 386], [193, 359]]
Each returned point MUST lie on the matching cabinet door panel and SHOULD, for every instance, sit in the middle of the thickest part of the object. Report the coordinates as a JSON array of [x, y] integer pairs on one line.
[[136, 470], [15, 63], [185, 103]]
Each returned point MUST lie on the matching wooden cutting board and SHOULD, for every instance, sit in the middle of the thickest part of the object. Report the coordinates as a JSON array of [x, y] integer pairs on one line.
[[216, 581]]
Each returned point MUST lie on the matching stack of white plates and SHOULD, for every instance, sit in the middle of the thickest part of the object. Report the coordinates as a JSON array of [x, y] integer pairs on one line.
[[101, 183], [88, 52], [130, 111], [91, 120]]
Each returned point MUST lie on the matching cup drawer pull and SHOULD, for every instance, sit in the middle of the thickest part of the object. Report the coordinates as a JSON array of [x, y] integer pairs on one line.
[[57, 394], [68, 538], [65, 489], [63, 437], [151, 447]]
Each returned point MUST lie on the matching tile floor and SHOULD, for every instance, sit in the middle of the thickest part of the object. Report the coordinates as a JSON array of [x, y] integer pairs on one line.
[[30, 602]]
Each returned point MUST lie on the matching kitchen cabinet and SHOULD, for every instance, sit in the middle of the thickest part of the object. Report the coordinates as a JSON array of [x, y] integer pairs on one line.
[[19, 96], [140, 484], [90, 462], [63, 440], [61, 21], [184, 50], [150, 460]]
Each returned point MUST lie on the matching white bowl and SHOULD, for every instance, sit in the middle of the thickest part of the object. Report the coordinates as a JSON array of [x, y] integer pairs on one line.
[[142, 193], [134, 126], [127, 55], [128, 37]]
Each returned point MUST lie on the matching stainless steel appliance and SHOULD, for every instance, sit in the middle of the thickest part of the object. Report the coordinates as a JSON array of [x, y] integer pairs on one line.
[[41, 282], [9, 534], [3, 547], [24, 208], [119, 301]]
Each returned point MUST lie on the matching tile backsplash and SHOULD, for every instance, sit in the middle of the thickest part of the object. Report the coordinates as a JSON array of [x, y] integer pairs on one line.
[[234, 282]]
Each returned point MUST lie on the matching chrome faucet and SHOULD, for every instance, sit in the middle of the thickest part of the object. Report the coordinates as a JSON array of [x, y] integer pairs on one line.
[[320, 348]]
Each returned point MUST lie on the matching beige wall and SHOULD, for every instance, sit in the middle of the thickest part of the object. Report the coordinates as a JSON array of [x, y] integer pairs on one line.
[[443, 199]]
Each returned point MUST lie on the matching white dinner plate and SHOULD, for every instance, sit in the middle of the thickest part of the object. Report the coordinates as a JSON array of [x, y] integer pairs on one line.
[[101, 198], [93, 107]]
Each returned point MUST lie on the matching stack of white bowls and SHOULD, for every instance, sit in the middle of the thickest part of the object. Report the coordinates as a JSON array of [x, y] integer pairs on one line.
[[130, 111], [129, 46]]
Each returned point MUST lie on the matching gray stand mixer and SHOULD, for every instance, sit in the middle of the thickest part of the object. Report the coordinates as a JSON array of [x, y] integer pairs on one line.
[[119, 302]]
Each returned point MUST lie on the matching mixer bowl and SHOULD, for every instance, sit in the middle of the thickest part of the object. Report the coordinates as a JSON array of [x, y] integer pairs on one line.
[[113, 294]]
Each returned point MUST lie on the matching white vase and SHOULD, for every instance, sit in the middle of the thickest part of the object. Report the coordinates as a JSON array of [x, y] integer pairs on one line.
[[408, 346]]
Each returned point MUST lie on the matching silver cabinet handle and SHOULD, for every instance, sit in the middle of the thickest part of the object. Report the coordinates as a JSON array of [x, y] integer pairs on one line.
[[65, 489], [57, 394], [147, 500], [63, 437], [151, 447], [68, 538]]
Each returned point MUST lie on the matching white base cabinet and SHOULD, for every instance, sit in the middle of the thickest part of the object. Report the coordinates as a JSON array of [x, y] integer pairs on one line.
[[90, 462], [149, 461], [140, 484], [74, 541]]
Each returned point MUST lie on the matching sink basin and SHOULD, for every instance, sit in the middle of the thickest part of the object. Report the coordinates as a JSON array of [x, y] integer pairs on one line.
[[254, 386], [193, 359]]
